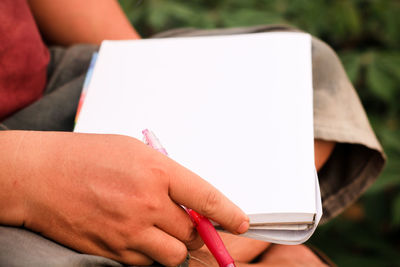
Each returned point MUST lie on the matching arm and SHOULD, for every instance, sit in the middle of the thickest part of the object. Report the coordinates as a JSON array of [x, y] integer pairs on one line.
[[67, 22], [70, 187]]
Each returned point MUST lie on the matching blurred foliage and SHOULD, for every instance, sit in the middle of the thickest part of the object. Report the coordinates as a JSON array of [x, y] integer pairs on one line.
[[366, 35]]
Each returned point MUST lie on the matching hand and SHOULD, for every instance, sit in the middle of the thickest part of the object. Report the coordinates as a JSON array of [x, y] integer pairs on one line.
[[244, 251], [108, 195]]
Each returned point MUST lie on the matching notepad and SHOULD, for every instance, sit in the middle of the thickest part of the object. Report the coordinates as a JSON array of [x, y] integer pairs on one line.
[[237, 110]]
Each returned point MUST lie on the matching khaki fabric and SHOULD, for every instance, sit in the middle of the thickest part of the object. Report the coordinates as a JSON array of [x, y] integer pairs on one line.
[[338, 115]]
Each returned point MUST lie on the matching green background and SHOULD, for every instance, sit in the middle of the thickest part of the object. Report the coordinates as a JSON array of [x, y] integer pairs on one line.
[[366, 36]]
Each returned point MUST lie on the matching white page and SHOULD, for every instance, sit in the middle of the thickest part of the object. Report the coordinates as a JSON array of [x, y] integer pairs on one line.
[[237, 110]]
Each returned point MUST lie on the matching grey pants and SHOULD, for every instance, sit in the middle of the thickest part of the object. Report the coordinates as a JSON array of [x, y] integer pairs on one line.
[[338, 116]]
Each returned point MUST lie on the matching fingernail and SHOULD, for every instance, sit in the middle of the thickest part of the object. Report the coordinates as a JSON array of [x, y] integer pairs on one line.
[[243, 227]]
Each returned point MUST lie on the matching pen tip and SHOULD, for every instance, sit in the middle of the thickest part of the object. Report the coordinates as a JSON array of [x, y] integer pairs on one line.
[[230, 265]]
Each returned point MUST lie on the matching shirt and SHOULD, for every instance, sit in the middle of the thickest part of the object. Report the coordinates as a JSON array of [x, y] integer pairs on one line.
[[23, 58]]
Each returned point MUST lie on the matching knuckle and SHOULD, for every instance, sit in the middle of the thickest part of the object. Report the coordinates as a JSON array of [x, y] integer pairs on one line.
[[157, 172], [121, 241], [152, 204], [118, 247], [213, 199]]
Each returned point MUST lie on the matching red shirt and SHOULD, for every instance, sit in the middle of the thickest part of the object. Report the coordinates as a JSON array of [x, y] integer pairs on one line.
[[23, 57]]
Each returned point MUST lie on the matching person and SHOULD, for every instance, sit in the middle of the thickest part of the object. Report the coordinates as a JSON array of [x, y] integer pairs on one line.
[[70, 199]]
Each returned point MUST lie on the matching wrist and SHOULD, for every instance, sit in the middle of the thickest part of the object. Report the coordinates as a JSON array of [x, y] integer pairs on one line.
[[12, 178]]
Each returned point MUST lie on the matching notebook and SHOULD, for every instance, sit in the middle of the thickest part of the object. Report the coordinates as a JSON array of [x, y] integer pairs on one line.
[[236, 109]]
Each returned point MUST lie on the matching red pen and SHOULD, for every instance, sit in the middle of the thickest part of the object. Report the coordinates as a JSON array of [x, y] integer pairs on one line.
[[203, 225]]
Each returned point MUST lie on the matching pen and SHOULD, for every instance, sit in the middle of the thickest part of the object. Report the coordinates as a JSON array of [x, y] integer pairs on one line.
[[203, 225]]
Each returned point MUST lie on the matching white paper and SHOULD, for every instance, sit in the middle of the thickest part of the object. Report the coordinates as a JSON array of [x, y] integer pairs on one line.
[[237, 110]]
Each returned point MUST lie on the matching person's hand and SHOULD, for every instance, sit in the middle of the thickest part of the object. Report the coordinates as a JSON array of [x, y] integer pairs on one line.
[[108, 195], [254, 253]]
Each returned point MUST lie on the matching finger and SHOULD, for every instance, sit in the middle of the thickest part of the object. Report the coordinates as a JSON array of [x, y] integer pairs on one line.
[[190, 190], [176, 222], [133, 258], [125, 255], [161, 247]]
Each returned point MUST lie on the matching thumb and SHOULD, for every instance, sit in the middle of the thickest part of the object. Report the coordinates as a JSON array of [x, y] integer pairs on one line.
[[188, 189]]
